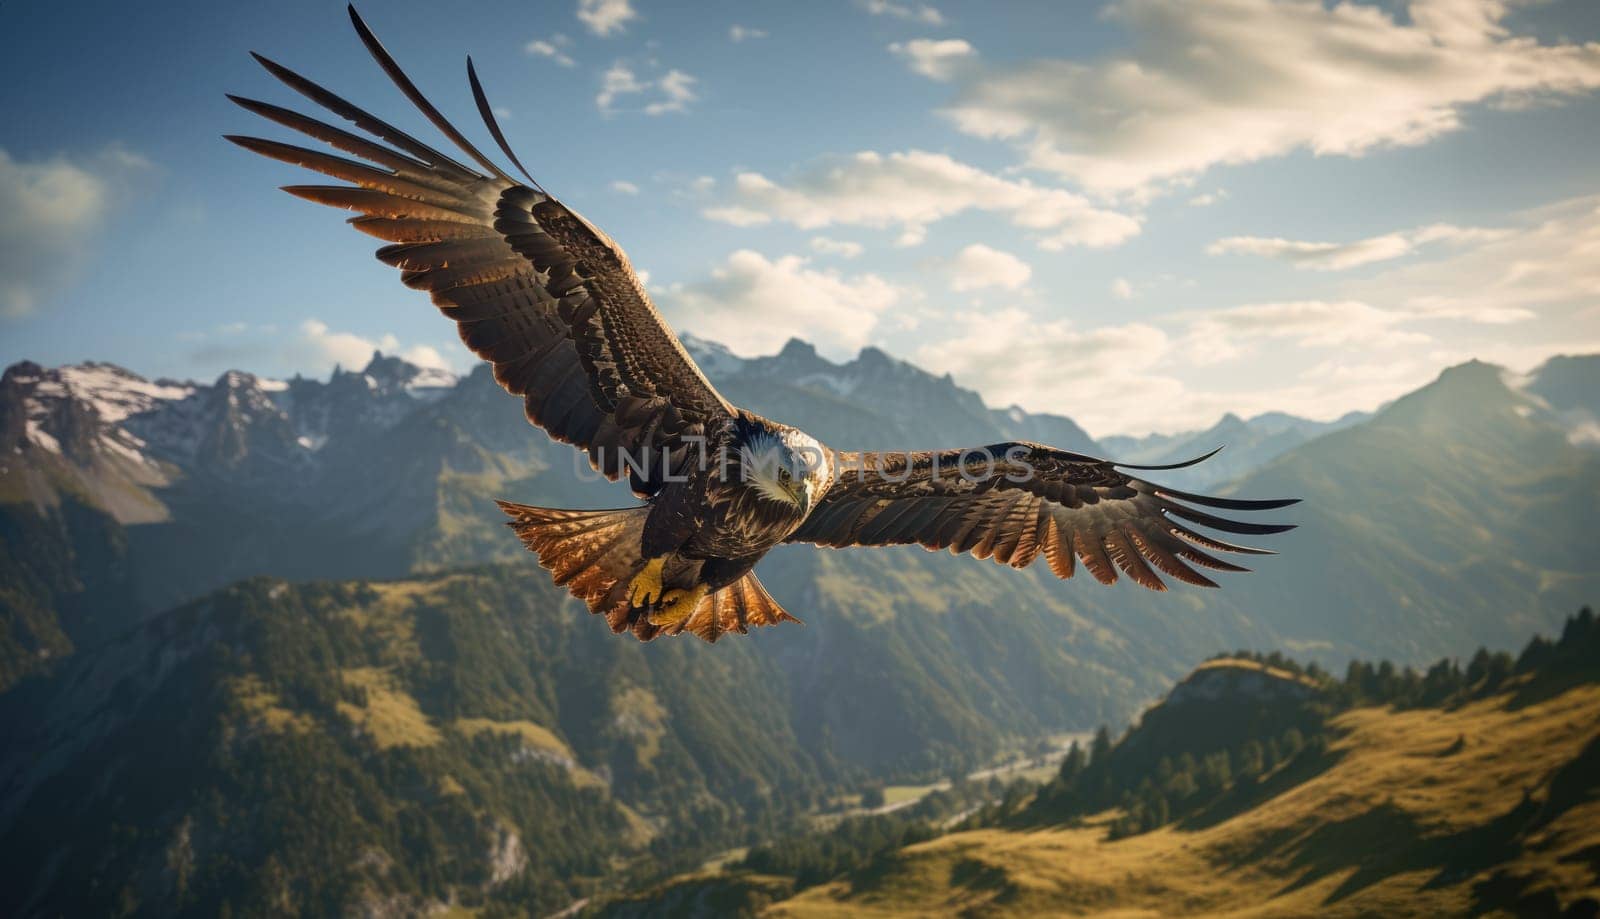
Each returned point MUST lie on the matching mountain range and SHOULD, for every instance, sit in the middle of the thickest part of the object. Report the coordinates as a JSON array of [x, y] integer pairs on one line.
[[163, 490], [1249, 444], [385, 628]]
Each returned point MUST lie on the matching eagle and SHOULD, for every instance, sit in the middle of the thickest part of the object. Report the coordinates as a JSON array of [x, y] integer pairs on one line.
[[552, 303]]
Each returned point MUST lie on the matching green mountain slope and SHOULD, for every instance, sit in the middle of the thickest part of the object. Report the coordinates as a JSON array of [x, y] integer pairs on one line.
[[63, 567], [329, 746], [1569, 383], [1255, 788], [1459, 516]]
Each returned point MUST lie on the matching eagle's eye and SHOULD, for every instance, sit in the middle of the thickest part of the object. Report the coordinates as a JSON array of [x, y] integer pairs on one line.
[[783, 476]]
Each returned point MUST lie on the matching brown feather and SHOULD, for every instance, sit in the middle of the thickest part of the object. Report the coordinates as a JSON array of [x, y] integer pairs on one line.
[[1093, 555], [497, 256], [1058, 549], [1065, 506], [1121, 550]]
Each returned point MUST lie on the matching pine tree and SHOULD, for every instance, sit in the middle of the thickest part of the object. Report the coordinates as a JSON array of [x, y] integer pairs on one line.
[[1385, 683], [1160, 813], [1293, 742], [1251, 760], [1100, 747], [1182, 786], [1072, 765], [1478, 668], [1216, 773]]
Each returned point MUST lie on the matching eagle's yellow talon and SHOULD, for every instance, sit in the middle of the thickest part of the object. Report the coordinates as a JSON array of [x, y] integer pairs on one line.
[[645, 587], [679, 605]]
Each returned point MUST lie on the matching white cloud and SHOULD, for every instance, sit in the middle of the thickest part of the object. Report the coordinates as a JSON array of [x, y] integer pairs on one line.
[[318, 348], [1206, 199], [737, 216], [1105, 378], [311, 347], [754, 304], [678, 89], [1243, 80], [551, 49], [843, 248], [1122, 289], [912, 189], [603, 17], [622, 187], [1544, 265], [978, 266], [1137, 377], [914, 235], [426, 357], [1320, 256], [1538, 274], [934, 58], [619, 80], [1513, 296], [671, 93], [1133, 379], [1219, 335], [50, 211], [1324, 256], [738, 33], [910, 12]]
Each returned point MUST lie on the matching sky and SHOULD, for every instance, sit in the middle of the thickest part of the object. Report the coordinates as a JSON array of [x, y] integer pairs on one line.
[[1138, 213]]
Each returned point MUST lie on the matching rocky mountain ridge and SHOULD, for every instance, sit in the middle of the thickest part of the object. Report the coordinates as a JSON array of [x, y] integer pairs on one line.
[[160, 491]]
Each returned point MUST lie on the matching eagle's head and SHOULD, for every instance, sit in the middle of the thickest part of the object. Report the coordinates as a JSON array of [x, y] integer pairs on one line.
[[782, 464]]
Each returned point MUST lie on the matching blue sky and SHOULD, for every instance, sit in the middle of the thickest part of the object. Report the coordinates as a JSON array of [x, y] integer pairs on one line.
[[1140, 213]]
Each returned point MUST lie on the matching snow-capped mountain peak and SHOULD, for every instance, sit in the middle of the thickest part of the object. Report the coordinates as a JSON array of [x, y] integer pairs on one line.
[[392, 373], [714, 358], [115, 393], [239, 426], [76, 411]]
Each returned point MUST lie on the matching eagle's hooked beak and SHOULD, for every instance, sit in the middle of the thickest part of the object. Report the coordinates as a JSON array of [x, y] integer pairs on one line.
[[802, 495], [795, 487]]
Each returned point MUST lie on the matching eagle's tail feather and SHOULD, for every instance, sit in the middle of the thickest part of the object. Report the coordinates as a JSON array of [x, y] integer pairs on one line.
[[594, 554], [735, 608], [588, 552]]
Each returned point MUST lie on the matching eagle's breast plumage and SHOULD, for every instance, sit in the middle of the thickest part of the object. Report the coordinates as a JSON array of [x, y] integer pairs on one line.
[[741, 516]]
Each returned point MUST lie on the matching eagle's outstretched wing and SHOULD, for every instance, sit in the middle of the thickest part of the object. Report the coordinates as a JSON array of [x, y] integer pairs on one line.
[[549, 300], [1014, 502]]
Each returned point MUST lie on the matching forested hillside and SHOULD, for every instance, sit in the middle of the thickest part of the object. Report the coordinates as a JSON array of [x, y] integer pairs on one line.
[[1256, 787], [475, 737]]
